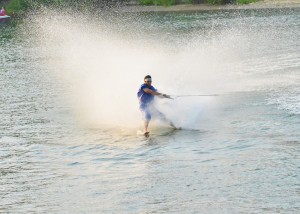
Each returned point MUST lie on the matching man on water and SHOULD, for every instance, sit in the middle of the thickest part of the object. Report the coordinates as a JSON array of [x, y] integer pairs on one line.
[[2, 12], [146, 95]]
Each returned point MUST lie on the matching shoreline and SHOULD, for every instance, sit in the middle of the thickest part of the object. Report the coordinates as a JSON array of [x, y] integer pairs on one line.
[[266, 4], [136, 8]]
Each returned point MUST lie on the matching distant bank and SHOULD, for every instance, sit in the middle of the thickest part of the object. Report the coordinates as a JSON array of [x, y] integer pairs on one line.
[[19, 7], [199, 7]]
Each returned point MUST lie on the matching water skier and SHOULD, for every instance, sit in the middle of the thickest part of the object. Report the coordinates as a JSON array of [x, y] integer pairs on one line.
[[146, 95]]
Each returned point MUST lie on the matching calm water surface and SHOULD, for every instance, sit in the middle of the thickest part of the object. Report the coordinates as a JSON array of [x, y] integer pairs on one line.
[[244, 159]]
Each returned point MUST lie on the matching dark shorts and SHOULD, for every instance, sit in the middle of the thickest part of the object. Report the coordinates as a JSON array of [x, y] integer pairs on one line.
[[146, 114]]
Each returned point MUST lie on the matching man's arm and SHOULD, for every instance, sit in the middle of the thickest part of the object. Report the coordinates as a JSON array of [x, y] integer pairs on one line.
[[149, 91]]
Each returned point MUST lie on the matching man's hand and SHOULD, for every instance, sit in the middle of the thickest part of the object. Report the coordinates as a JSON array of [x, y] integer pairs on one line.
[[167, 96]]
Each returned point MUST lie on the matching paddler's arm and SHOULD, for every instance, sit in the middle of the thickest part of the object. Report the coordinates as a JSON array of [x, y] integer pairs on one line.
[[149, 91]]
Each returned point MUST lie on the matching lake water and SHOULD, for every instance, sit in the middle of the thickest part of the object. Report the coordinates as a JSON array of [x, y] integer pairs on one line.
[[69, 118]]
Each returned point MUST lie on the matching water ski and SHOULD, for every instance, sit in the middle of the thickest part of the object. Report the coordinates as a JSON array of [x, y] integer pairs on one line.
[[142, 133]]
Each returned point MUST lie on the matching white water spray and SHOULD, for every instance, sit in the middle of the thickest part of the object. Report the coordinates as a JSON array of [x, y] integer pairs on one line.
[[104, 65]]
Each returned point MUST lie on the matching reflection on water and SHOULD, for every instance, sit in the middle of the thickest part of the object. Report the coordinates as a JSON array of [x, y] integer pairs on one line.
[[244, 158]]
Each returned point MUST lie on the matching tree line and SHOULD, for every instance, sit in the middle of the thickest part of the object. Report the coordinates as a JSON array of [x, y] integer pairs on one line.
[[19, 6]]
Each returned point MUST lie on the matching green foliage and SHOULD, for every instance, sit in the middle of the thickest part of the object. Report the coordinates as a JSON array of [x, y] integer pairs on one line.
[[146, 2], [188, 1], [230, 1], [246, 1], [167, 2], [158, 2], [16, 6], [215, 1], [20, 6]]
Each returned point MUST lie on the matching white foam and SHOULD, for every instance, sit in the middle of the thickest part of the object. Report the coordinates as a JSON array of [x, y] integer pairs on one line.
[[103, 61]]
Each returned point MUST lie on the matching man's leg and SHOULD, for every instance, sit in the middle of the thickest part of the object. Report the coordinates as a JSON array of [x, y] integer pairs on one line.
[[146, 124], [146, 117], [163, 117]]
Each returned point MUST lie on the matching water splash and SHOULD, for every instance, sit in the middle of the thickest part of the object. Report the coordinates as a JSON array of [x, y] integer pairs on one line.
[[103, 60]]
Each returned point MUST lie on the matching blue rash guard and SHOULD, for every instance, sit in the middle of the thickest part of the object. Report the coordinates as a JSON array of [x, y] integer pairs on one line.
[[145, 100]]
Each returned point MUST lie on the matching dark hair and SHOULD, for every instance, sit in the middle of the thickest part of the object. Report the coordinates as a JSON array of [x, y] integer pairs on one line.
[[146, 77]]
